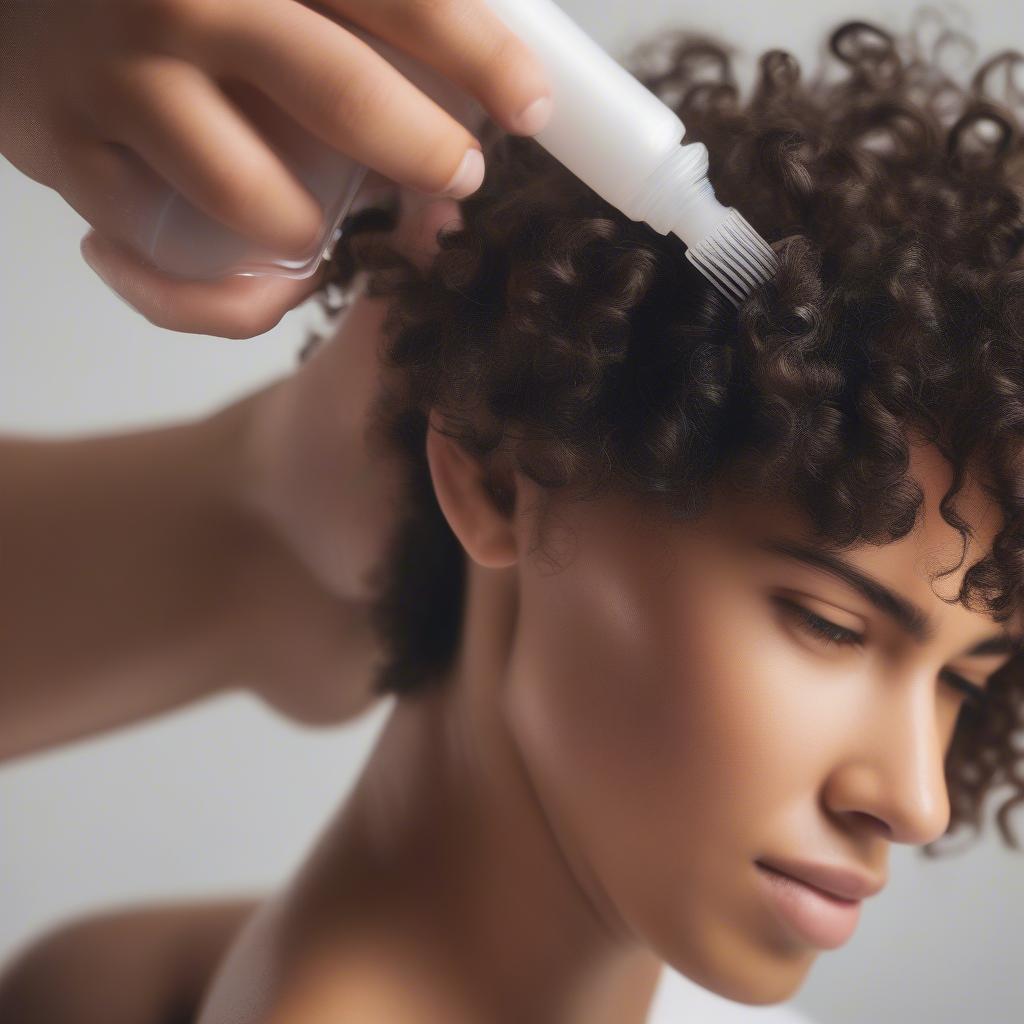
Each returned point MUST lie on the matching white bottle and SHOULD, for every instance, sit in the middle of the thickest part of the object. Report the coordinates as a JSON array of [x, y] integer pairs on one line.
[[606, 128]]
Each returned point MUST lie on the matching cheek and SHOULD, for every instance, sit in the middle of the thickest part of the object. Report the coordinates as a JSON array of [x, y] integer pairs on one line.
[[658, 731]]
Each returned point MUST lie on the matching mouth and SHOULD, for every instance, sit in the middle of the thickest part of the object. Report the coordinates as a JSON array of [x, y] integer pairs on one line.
[[842, 882], [817, 917]]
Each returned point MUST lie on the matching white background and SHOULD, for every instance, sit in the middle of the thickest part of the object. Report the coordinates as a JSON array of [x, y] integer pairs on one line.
[[225, 797]]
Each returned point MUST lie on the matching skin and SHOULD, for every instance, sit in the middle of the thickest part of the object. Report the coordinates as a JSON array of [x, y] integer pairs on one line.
[[618, 743]]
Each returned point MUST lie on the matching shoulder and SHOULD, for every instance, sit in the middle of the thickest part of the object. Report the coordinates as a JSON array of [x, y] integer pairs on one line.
[[128, 965], [360, 977]]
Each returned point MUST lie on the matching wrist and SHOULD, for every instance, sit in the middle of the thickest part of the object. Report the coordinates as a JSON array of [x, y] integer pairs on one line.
[[301, 646], [317, 471], [243, 459], [218, 456], [258, 484], [308, 478]]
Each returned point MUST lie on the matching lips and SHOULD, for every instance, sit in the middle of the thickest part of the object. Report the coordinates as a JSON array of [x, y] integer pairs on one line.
[[806, 912], [833, 880]]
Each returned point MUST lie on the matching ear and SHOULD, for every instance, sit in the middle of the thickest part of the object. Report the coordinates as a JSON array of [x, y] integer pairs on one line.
[[478, 503]]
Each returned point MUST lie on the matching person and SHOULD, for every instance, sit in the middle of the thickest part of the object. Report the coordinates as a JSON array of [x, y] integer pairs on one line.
[[658, 607], [150, 522]]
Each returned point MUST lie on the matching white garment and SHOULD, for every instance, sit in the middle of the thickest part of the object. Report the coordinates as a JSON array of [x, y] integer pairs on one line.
[[677, 1000]]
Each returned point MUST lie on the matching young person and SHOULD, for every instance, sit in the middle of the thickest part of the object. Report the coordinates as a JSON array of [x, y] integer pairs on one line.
[[679, 594]]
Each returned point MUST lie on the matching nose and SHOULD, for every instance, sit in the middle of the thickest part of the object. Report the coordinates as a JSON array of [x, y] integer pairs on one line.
[[895, 769]]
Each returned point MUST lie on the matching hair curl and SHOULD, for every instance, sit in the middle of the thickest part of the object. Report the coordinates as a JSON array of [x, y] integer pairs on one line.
[[583, 344]]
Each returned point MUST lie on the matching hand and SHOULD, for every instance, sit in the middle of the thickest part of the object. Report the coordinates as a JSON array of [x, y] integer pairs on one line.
[[330, 490], [104, 98]]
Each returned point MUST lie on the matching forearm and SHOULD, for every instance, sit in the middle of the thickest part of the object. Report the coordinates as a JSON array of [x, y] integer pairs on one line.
[[117, 555]]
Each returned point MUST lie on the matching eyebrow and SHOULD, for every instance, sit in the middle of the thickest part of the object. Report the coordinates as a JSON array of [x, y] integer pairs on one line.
[[907, 615]]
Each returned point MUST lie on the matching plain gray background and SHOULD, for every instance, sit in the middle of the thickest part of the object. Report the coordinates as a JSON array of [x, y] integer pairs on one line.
[[225, 797]]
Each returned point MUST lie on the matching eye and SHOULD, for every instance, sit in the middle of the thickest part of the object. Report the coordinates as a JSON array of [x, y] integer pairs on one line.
[[821, 628], [976, 695], [830, 633]]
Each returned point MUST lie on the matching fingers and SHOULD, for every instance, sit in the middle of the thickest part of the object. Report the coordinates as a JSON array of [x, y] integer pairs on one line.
[[183, 126], [342, 91], [468, 43], [113, 189], [233, 307]]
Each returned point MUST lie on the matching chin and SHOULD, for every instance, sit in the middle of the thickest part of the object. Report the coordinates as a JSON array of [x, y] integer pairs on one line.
[[758, 973], [780, 988], [770, 985]]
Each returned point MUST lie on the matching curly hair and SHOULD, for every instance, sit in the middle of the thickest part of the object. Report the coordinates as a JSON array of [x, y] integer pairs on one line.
[[585, 346]]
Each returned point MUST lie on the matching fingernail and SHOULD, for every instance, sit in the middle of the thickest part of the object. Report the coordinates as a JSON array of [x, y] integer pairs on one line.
[[468, 178], [532, 118]]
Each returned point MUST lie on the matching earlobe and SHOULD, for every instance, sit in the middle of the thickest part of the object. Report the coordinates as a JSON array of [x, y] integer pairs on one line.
[[479, 510]]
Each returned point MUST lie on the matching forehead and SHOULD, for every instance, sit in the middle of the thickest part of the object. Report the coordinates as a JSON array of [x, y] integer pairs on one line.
[[909, 564], [734, 522]]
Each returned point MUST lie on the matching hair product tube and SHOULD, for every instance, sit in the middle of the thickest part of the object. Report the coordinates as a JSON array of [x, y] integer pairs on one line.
[[625, 143]]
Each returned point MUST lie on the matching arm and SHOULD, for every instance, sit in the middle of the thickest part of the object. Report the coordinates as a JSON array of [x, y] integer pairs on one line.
[[114, 554], [142, 571], [132, 581]]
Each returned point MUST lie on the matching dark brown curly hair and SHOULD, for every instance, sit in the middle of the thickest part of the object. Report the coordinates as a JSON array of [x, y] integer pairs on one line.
[[585, 346]]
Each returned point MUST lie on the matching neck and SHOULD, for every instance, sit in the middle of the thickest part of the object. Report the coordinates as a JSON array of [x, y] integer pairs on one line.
[[445, 851]]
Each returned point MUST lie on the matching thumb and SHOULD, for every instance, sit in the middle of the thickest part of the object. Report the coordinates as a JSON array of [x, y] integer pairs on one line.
[[230, 307]]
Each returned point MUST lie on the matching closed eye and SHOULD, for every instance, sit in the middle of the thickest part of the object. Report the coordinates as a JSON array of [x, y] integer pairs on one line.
[[830, 633]]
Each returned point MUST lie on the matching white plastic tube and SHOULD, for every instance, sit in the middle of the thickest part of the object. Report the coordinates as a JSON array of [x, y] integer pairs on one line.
[[619, 138], [612, 132]]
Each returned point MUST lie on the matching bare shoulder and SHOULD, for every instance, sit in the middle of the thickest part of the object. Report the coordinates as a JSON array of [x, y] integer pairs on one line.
[[146, 964], [288, 965], [368, 984]]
